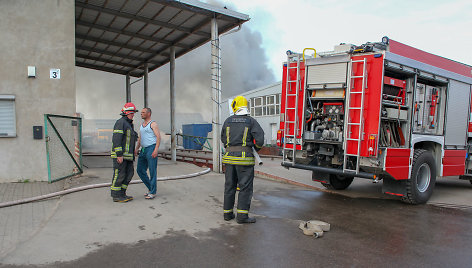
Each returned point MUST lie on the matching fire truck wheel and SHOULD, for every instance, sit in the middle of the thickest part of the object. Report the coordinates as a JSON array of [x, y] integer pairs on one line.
[[420, 185], [337, 182]]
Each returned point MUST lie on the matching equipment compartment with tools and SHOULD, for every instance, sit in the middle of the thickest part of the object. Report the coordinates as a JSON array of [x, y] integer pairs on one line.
[[429, 108], [396, 99]]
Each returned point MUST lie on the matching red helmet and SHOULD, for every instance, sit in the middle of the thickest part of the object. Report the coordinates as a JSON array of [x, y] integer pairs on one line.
[[128, 108]]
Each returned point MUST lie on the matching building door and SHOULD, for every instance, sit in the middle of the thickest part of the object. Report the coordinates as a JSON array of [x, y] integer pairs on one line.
[[273, 137]]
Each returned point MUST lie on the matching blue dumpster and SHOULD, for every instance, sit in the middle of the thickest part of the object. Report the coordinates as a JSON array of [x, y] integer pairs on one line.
[[191, 132]]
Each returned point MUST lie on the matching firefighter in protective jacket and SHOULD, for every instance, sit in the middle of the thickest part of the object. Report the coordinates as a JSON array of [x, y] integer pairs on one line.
[[122, 153], [240, 133]]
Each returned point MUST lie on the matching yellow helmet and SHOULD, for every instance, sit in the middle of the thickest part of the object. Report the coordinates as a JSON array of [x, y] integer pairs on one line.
[[238, 103]]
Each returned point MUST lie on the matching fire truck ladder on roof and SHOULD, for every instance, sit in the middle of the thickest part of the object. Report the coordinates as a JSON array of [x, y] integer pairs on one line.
[[291, 113], [354, 139]]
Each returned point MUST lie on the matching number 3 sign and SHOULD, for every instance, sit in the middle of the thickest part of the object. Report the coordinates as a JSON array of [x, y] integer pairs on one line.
[[55, 73]]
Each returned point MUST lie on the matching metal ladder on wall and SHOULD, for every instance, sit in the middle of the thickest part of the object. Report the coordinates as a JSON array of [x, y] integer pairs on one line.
[[349, 138], [291, 113]]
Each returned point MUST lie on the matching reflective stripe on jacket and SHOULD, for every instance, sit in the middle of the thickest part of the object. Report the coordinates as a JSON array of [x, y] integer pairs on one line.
[[124, 139], [241, 130]]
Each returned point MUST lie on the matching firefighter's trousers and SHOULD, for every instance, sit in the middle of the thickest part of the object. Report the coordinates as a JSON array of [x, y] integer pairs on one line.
[[122, 174], [244, 177]]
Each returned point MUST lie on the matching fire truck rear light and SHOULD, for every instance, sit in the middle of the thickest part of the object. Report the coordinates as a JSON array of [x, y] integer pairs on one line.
[[372, 145], [280, 139]]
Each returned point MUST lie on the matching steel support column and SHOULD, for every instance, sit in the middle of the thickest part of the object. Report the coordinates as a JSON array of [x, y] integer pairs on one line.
[[128, 89], [216, 95], [173, 137], [146, 85]]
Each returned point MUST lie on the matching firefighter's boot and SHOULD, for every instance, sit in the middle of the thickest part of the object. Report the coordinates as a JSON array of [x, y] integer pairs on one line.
[[228, 216], [123, 192], [244, 218], [119, 197]]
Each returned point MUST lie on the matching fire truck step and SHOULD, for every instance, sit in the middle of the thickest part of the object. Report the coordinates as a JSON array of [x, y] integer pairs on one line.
[[350, 139], [357, 76], [352, 155], [355, 108], [354, 124]]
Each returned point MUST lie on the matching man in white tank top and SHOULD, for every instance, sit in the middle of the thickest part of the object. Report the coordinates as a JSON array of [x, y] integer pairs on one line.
[[149, 139]]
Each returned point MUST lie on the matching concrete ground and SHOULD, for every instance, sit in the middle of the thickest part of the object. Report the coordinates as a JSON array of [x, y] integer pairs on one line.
[[183, 227], [20, 223]]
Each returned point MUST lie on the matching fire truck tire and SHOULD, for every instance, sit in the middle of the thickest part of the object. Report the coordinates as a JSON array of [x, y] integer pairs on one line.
[[338, 182], [420, 185]]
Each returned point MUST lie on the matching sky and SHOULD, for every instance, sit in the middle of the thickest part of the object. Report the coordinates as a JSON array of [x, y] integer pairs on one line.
[[439, 27], [253, 57]]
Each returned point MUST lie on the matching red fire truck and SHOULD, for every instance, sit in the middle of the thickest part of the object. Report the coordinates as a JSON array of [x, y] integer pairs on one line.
[[382, 111]]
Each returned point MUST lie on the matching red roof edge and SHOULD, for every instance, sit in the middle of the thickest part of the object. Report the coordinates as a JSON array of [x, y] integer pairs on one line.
[[428, 58]]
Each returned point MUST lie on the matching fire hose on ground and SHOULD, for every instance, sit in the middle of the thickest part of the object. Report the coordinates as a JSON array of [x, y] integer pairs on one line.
[[93, 186]]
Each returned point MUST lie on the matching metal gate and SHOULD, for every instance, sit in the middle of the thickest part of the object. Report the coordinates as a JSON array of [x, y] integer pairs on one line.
[[63, 146]]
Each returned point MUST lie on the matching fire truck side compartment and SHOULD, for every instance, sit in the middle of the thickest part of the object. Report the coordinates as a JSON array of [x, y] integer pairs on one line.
[[397, 162], [454, 162], [457, 97]]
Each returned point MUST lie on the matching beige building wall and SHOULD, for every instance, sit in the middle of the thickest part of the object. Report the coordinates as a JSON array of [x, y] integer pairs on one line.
[[37, 33]]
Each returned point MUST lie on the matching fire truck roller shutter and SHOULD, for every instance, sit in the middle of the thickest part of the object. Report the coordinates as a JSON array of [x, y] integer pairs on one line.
[[457, 113], [331, 70], [327, 73]]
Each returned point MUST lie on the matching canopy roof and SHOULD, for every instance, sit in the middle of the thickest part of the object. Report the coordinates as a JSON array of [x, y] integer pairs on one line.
[[121, 36]]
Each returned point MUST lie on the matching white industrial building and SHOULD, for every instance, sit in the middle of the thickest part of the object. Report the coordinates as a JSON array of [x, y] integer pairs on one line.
[[264, 105]]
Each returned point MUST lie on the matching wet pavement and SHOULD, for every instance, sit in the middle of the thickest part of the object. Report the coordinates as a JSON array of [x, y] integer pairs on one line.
[[183, 227], [364, 233]]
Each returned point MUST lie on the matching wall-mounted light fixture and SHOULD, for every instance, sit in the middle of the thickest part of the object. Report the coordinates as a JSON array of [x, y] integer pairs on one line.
[[32, 71]]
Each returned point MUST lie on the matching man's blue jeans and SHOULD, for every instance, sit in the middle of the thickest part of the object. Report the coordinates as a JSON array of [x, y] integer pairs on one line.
[[146, 161]]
